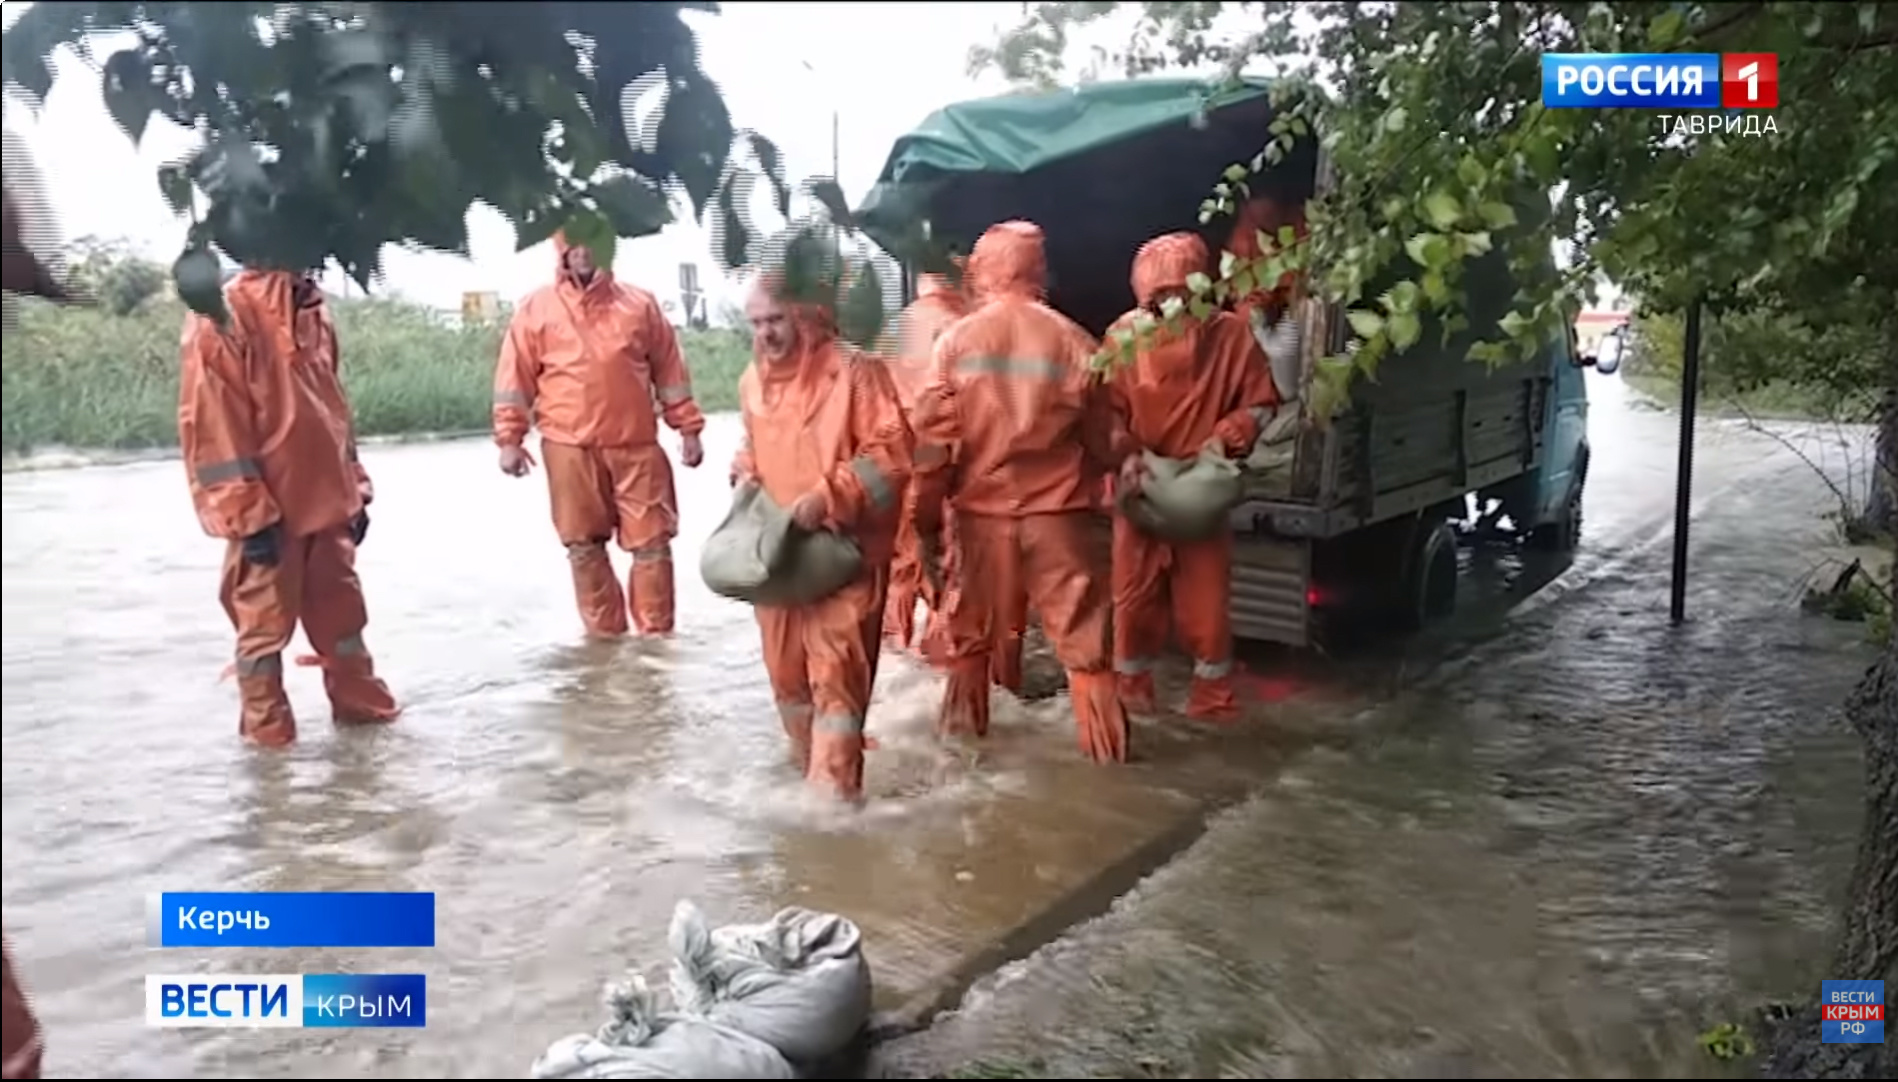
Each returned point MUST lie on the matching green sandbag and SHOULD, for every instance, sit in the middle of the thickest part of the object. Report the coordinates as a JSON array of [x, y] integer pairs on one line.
[[1185, 499], [759, 556]]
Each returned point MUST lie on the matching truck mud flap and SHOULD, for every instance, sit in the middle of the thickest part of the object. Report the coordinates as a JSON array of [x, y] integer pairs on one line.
[[1271, 577]]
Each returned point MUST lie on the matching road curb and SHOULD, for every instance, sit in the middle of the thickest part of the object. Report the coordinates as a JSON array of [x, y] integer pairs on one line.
[[1087, 900]]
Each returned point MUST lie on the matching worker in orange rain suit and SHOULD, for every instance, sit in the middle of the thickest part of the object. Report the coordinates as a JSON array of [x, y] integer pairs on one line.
[[1268, 308], [826, 437], [938, 304], [1200, 381], [270, 451], [1015, 430], [596, 364]]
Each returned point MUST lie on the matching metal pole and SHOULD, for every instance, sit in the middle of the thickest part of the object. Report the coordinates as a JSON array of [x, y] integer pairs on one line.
[[836, 150], [1684, 471]]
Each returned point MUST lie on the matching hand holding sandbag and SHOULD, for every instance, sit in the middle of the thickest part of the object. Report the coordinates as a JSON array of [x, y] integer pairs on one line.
[[642, 1041], [759, 555], [1185, 499], [798, 982]]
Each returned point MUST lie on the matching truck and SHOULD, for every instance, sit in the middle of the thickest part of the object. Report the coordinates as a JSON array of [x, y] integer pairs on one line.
[[1364, 523]]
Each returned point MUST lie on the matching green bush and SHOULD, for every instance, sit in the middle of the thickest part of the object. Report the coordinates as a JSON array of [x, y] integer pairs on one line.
[[90, 379]]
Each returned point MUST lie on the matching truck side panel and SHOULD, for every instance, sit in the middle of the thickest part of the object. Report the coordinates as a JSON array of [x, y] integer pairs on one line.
[[1270, 580]]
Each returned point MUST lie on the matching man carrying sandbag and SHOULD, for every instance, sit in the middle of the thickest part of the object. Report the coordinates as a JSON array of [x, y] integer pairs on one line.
[[1015, 430], [596, 364], [938, 304], [825, 437], [1200, 382]]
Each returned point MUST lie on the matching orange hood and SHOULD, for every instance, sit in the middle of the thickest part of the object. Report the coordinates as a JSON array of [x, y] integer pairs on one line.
[[1011, 259], [1165, 263]]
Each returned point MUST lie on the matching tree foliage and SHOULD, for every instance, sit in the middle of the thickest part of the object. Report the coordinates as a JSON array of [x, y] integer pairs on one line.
[[330, 130], [1835, 361], [1432, 116]]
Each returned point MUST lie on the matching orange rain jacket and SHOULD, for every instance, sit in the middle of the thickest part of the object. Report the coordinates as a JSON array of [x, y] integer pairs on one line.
[[263, 421], [565, 361]]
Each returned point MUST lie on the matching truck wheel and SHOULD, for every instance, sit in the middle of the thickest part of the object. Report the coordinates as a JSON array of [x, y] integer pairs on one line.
[[1565, 533], [1429, 589]]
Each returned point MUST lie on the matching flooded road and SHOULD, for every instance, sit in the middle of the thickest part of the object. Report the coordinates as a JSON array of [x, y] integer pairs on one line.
[[1544, 816], [1564, 854]]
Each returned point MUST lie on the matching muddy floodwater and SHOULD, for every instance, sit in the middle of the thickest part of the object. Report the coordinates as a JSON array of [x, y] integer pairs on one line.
[[1551, 837]]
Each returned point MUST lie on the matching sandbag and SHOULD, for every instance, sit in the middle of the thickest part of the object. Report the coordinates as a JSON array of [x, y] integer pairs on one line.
[[758, 555], [799, 982], [1185, 499], [1269, 466], [642, 1041]]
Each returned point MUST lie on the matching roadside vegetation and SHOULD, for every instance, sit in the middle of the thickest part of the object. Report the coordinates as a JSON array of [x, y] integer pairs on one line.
[[106, 378]]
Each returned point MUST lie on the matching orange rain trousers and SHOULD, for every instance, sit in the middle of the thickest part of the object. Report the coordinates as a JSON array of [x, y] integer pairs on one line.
[[596, 365], [21, 1036], [1195, 579], [826, 422], [1043, 561], [1015, 431], [821, 660], [314, 584], [602, 493]]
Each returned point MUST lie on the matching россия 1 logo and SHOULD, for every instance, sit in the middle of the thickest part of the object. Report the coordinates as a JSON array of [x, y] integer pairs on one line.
[[1660, 81]]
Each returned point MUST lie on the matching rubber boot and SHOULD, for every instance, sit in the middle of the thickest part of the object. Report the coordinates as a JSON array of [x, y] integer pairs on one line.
[[1136, 693], [965, 699], [649, 592], [1100, 721], [264, 718], [596, 591]]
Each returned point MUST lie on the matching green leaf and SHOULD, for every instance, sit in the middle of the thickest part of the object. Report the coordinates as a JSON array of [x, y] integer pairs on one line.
[[129, 93], [1364, 323], [174, 183], [1515, 324], [1474, 243], [200, 283], [1234, 173], [1405, 329], [1471, 172], [1665, 30], [1434, 287], [695, 136], [1442, 209], [1402, 297], [591, 230], [1199, 283], [634, 207], [1497, 215], [860, 317], [830, 195], [1430, 250]]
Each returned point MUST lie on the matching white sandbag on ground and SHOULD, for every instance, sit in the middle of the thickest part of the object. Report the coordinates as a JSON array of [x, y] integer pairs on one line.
[[758, 555], [642, 1041], [1185, 499], [798, 982]]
